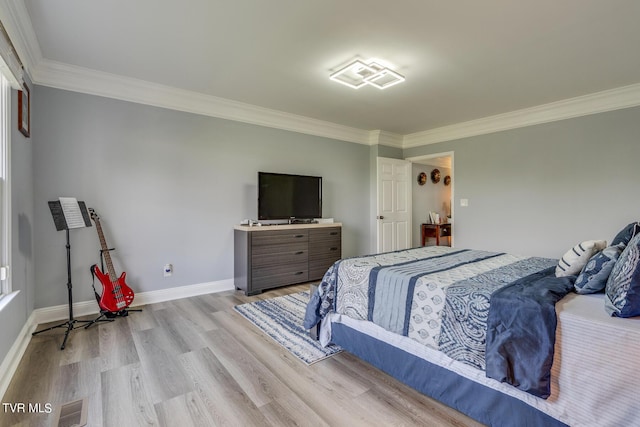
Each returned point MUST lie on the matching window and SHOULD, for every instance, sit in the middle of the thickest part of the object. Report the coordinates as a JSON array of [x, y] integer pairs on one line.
[[11, 76], [5, 188]]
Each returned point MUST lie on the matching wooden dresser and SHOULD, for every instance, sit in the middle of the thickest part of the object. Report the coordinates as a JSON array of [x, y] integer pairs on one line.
[[278, 255]]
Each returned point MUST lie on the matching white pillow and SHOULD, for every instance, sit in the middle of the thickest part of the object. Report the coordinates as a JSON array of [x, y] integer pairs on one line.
[[577, 257]]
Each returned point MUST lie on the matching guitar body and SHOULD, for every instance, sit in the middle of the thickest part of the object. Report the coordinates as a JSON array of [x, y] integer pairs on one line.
[[116, 295]]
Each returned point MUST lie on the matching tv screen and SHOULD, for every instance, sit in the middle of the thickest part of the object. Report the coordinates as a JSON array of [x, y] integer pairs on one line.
[[282, 196]]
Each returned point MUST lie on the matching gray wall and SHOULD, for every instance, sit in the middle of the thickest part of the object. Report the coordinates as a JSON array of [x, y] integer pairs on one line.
[[539, 190], [14, 316], [169, 187]]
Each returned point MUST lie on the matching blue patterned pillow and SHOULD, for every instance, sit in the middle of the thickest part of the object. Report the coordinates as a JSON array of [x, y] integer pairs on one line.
[[622, 294], [626, 234], [594, 275]]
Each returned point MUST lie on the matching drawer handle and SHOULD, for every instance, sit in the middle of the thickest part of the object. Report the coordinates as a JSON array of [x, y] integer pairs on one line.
[[297, 236], [333, 249], [299, 253], [334, 233], [298, 273]]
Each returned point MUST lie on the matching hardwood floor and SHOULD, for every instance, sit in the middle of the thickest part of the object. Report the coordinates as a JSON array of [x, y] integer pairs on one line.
[[196, 362]]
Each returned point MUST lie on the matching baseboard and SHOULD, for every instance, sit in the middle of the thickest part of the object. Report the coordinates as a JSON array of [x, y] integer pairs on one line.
[[61, 312], [12, 359], [85, 308], [183, 292]]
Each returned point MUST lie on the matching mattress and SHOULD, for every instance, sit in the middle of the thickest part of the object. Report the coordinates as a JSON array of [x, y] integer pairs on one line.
[[595, 373]]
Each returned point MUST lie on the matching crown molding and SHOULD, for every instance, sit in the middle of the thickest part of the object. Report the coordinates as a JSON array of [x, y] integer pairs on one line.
[[599, 102], [15, 18], [389, 139], [84, 80]]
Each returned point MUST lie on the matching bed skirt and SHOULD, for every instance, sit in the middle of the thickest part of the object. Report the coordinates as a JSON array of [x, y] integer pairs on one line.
[[479, 402]]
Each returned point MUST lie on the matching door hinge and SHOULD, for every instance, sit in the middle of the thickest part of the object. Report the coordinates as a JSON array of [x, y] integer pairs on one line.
[[4, 273]]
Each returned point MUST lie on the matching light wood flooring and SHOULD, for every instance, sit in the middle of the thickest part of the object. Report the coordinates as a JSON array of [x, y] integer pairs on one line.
[[196, 362]]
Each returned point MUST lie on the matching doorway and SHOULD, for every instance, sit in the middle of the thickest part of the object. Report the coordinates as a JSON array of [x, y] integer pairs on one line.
[[394, 197], [432, 192]]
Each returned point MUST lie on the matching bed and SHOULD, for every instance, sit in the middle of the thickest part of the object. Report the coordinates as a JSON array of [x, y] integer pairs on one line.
[[496, 336]]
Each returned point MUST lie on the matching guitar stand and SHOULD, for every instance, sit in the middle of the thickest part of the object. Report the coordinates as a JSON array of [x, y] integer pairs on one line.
[[71, 323], [106, 316], [101, 318]]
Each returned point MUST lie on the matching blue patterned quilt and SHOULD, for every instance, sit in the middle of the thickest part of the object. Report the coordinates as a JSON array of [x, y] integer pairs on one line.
[[435, 295]]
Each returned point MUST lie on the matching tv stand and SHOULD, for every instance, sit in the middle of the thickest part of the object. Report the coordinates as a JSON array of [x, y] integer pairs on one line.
[[266, 257]]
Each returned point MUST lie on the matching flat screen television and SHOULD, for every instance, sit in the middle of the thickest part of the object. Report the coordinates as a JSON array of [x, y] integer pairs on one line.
[[283, 196]]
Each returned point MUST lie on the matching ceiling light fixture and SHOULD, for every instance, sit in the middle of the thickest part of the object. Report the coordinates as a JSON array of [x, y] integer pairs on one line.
[[360, 73]]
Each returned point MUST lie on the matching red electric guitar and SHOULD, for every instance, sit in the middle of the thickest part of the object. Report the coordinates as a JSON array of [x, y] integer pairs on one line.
[[116, 295]]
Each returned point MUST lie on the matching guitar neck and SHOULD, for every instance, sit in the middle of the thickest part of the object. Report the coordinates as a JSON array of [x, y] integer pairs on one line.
[[105, 251]]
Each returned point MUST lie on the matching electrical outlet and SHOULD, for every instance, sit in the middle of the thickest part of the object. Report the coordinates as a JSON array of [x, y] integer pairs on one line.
[[168, 270]]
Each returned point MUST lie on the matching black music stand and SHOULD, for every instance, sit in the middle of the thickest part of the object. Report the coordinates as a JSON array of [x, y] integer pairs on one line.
[[68, 213]]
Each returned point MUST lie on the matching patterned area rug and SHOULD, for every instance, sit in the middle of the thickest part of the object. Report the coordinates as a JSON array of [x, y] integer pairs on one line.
[[281, 318]]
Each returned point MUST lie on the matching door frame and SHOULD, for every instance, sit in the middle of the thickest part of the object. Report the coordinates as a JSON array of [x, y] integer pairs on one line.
[[416, 159]]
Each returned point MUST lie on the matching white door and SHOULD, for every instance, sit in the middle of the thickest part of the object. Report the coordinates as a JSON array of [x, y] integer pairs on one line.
[[394, 205]]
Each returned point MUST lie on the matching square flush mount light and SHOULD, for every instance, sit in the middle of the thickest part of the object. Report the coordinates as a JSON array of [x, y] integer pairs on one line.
[[360, 73]]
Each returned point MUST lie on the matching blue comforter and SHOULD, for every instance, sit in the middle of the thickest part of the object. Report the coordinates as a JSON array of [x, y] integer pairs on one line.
[[521, 331], [444, 298]]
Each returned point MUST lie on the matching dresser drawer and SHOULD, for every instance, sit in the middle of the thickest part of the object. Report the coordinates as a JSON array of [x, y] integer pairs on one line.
[[268, 238], [280, 254], [263, 277], [328, 233], [325, 249], [280, 248]]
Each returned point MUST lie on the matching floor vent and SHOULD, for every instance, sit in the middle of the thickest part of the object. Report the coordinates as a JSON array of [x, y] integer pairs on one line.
[[72, 414]]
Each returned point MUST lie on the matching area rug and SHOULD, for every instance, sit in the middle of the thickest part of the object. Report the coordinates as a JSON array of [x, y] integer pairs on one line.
[[281, 318]]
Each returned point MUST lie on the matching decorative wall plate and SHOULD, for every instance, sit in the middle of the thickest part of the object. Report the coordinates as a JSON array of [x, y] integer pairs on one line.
[[447, 180], [422, 178], [435, 176]]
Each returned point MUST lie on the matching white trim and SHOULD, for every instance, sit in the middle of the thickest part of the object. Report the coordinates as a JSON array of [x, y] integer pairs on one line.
[[84, 80], [6, 298], [9, 62], [170, 294], [385, 138], [45, 72], [78, 79], [13, 357], [84, 308], [5, 186], [418, 159], [608, 100], [16, 20]]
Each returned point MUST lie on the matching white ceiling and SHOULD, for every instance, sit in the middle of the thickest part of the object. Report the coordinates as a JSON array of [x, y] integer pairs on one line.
[[463, 60]]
